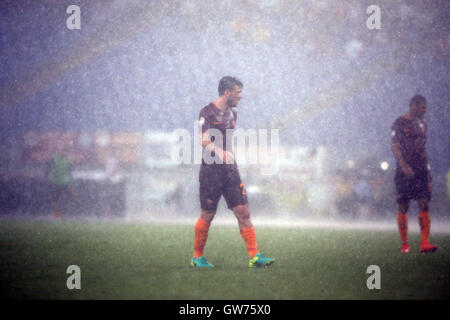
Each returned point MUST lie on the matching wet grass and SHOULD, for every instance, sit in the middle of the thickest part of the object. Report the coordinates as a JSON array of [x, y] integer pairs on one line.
[[151, 261]]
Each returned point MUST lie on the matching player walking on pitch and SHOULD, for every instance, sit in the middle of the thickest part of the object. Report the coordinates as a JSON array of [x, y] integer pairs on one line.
[[221, 176], [413, 176]]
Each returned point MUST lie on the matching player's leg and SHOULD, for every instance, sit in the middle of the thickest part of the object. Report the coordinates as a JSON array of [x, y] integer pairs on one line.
[[242, 214], [56, 202], [247, 230], [402, 222], [56, 210], [201, 231], [200, 237], [425, 225], [209, 199], [236, 197], [402, 186], [422, 192]]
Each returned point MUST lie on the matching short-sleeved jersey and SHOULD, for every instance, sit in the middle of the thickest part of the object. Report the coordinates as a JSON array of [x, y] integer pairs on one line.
[[212, 117], [60, 170], [411, 135]]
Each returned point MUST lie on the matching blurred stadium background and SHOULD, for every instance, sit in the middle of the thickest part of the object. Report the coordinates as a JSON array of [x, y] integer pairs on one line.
[[113, 93]]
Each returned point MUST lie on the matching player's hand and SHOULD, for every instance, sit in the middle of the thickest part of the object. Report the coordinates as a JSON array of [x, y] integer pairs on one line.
[[408, 171], [228, 157]]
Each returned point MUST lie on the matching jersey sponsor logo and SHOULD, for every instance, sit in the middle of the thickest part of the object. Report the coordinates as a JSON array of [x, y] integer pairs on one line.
[[217, 122]]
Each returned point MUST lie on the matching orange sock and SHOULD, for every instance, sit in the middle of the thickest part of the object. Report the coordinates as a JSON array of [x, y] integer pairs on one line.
[[248, 234], [402, 221], [200, 237], [424, 223]]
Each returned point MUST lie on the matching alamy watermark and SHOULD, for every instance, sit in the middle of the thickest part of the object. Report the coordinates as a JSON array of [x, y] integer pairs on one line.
[[74, 20], [374, 281], [374, 20], [252, 147], [74, 281]]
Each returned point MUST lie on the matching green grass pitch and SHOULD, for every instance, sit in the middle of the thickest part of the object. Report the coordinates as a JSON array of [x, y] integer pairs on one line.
[[152, 261]]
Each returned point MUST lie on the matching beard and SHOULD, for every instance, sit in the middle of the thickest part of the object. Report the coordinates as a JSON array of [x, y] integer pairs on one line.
[[421, 115], [231, 103]]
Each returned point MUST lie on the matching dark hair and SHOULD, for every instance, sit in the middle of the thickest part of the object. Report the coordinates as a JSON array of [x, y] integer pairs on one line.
[[417, 99], [228, 83]]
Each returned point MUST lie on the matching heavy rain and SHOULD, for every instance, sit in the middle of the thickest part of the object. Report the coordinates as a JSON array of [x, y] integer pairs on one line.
[[113, 89]]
